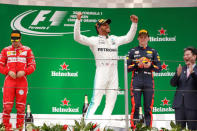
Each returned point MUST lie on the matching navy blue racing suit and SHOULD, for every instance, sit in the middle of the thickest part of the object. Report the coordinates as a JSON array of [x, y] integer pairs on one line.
[[142, 82]]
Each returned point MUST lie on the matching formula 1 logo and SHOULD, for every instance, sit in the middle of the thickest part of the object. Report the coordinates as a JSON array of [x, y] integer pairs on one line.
[[43, 23]]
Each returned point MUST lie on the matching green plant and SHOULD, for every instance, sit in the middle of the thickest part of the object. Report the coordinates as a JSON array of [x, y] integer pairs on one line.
[[46, 127], [142, 127], [164, 129], [108, 129], [82, 126], [2, 127], [176, 127]]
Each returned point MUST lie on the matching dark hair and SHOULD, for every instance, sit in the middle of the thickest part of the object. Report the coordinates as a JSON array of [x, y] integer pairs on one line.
[[192, 49]]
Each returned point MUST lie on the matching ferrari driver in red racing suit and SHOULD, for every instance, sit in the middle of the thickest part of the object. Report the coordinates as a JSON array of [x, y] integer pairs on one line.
[[16, 62]]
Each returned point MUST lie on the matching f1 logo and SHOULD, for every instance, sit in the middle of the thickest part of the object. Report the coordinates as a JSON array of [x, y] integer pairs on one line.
[[55, 19]]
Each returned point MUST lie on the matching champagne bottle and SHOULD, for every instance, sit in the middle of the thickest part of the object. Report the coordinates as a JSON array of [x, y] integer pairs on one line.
[[141, 116], [85, 106], [28, 119]]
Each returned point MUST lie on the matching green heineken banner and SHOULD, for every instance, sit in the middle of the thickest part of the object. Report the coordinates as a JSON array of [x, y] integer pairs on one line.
[[65, 69]]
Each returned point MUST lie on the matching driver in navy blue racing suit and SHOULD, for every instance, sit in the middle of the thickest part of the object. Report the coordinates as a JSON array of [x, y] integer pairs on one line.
[[142, 62]]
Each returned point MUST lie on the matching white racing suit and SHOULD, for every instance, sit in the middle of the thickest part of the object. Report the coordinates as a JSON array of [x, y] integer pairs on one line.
[[105, 50]]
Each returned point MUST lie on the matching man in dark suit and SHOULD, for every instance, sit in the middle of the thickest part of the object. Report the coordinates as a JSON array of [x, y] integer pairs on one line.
[[185, 99]]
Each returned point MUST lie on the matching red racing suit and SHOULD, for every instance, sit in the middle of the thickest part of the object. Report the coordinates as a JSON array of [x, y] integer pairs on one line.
[[15, 59]]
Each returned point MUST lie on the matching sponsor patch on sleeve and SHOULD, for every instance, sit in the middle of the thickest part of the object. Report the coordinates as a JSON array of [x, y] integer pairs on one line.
[[137, 52], [158, 58]]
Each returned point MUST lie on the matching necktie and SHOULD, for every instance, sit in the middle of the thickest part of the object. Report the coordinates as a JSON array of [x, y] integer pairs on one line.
[[188, 73]]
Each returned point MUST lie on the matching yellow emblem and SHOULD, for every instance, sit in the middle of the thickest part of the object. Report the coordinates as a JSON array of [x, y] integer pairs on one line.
[[158, 58], [101, 20], [149, 52], [8, 53]]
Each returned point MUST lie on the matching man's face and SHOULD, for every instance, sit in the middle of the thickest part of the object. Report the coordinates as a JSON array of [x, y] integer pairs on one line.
[[104, 28], [143, 39], [16, 44], [15, 39], [189, 58]]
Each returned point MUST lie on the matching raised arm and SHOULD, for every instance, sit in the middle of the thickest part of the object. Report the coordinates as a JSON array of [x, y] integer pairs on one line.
[[131, 34], [77, 33]]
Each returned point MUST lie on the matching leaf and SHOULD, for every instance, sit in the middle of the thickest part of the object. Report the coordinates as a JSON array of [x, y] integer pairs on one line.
[[82, 123], [1, 125], [45, 127], [172, 124], [88, 126], [57, 127], [77, 125], [164, 129], [76, 129], [139, 126], [110, 129]]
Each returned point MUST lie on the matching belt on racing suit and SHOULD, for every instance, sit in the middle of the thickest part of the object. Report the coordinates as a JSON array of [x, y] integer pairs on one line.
[[145, 72]]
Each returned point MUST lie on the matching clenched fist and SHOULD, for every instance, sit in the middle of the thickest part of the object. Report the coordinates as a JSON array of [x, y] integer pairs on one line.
[[147, 65], [140, 62], [12, 74], [20, 74], [134, 18], [79, 14]]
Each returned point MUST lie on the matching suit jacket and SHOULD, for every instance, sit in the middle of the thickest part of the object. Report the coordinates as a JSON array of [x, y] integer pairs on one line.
[[186, 92]]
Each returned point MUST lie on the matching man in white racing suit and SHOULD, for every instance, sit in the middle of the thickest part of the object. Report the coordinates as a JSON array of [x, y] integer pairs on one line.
[[105, 50]]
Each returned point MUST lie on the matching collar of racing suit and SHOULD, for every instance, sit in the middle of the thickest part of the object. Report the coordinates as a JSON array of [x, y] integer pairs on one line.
[[18, 47], [104, 36], [143, 48]]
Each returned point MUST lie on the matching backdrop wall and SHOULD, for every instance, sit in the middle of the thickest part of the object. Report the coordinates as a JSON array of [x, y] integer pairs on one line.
[[65, 69]]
